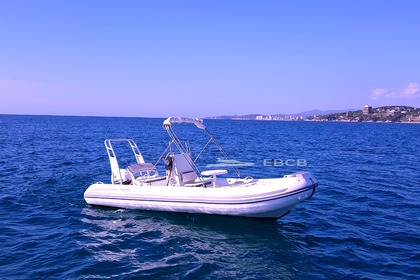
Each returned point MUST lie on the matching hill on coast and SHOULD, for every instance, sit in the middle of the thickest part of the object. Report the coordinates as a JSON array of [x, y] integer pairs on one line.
[[368, 114]]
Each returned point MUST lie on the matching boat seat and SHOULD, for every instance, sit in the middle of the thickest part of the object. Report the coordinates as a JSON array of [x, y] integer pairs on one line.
[[190, 179], [141, 167], [144, 172], [182, 169], [185, 174]]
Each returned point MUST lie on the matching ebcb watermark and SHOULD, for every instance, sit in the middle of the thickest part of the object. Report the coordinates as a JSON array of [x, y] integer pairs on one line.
[[278, 162]]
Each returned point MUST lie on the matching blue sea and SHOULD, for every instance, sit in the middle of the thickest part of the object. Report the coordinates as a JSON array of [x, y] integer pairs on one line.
[[362, 223]]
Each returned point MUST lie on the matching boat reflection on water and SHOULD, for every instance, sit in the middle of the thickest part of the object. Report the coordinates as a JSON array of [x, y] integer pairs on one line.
[[151, 243]]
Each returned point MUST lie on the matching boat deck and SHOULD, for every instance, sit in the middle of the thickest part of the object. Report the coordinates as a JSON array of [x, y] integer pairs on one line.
[[220, 183]]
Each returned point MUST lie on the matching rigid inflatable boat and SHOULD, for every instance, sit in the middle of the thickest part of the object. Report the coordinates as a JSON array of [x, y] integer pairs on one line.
[[185, 188]]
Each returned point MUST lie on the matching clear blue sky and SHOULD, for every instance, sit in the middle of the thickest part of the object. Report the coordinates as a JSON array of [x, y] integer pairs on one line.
[[206, 58]]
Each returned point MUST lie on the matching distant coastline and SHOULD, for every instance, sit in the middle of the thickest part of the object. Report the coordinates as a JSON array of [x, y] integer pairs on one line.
[[386, 114]]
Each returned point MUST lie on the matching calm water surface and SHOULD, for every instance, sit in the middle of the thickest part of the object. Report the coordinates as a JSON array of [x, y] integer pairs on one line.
[[363, 222]]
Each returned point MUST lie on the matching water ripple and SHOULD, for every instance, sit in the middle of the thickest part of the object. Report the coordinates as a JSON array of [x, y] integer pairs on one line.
[[362, 223]]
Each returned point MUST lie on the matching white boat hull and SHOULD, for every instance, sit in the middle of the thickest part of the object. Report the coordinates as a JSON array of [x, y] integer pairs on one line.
[[262, 198]]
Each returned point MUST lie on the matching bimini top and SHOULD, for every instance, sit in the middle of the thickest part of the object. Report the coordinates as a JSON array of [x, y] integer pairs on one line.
[[171, 120]]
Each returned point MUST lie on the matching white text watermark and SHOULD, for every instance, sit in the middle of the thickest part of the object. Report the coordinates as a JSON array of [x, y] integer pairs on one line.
[[278, 162]]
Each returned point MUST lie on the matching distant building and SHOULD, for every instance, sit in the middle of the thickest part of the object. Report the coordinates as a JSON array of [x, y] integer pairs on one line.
[[260, 117], [367, 110]]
